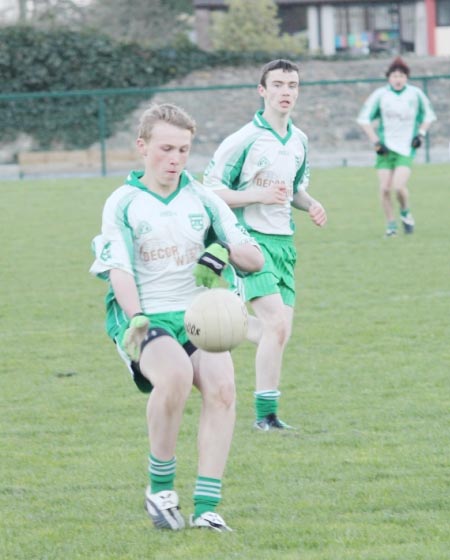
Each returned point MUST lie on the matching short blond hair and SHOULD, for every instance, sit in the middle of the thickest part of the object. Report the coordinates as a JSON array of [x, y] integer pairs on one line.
[[165, 112]]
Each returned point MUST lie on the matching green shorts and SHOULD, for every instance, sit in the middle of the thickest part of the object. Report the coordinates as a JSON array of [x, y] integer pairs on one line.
[[233, 281], [392, 160], [277, 276], [173, 324]]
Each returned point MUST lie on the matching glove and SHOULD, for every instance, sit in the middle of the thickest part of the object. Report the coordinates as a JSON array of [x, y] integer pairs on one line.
[[135, 334], [381, 149], [211, 264], [417, 141]]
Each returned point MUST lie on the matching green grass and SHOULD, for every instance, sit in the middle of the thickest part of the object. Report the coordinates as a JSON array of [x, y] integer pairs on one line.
[[365, 378]]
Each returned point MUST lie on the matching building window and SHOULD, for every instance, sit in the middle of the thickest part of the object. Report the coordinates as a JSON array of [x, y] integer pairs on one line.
[[443, 13], [375, 28]]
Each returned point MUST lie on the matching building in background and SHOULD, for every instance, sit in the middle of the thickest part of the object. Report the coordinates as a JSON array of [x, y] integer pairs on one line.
[[354, 26], [9, 11]]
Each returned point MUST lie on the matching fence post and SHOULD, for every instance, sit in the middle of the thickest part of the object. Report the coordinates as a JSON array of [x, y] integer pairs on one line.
[[102, 132]]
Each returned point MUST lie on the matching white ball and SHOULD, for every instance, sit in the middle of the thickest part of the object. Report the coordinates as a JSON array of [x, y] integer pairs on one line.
[[216, 320]]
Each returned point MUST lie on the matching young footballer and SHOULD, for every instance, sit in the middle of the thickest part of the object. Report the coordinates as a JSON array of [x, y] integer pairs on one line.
[[152, 252], [404, 115], [261, 171]]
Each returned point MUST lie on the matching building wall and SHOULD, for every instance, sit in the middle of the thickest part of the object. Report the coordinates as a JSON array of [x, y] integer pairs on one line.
[[202, 23], [442, 41], [8, 11], [377, 26], [421, 35]]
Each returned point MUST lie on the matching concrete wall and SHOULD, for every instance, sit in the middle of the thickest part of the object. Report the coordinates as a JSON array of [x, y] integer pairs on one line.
[[443, 43], [202, 24]]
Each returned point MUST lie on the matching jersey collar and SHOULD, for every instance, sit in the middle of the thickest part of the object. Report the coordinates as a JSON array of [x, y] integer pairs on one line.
[[260, 122], [397, 91], [134, 180]]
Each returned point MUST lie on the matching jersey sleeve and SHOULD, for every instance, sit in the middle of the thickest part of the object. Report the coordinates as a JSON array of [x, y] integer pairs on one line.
[[224, 223], [301, 180], [224, 170], [113, 248], [371, 108], [427, 113]]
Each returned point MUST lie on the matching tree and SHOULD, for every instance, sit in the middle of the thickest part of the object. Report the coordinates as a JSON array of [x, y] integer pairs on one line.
[[61, 60], [22, 5], [154, 23], [45, 13], [251, 25]]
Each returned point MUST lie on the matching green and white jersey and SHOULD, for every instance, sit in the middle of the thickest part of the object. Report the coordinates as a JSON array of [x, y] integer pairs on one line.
[[400, 113], [256, 157], [159, 240]]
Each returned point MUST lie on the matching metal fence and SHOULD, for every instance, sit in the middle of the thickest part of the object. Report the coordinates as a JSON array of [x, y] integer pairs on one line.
[[326, 111]]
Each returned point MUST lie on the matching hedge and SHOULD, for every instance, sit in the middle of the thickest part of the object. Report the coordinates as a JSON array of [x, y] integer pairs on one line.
[[34, 60]]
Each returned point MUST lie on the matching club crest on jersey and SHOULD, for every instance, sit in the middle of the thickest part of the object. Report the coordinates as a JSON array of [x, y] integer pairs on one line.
[[105, 255], [197, 221], [263, 162], [143, 228]]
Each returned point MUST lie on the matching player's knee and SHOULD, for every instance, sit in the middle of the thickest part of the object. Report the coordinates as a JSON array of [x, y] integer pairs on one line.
[[223, 393], [400, 190], [175, 392], [385, 189], [279, 330], [227, 393], [180, 381]]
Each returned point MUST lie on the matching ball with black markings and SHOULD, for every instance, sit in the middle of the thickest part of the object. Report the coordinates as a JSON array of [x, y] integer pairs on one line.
[[216, 320]]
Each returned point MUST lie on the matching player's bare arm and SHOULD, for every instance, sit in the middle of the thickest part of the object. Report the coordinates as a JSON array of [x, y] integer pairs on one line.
[[370, 132], [246, 257], [303, 201], [125, 291]]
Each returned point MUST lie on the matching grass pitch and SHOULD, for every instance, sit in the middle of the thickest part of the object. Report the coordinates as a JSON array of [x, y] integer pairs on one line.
[[365, 378]]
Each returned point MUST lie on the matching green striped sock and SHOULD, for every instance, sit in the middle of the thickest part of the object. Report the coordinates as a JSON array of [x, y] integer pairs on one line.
[[266, 402], [161, 473], [392, 225], [207, 494]]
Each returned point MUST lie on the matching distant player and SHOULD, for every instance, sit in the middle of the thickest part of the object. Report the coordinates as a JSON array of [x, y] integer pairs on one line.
[[261, 171], [404, 115], [152, 252]]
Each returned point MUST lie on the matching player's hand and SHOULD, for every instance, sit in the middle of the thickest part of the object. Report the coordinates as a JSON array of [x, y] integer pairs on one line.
[[211, 264], [275, 194], [381, 149], [416, 141], [318, 214], [134, 335]]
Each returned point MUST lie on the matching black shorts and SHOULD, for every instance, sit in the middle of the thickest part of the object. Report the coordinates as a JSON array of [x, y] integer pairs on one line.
[[142, 383]]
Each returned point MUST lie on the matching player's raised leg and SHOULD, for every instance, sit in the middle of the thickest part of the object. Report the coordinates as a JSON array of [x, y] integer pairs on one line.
[[167, 366]]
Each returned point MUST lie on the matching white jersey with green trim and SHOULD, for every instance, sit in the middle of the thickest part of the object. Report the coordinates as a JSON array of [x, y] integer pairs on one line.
[[159, 240], [256, 157], [400, 114]]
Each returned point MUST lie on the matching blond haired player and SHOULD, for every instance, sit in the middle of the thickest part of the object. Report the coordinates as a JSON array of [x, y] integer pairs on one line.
[[152, 252]]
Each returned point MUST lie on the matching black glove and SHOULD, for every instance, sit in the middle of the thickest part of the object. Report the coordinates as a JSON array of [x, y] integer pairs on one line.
[[416, 141], [381, 149]]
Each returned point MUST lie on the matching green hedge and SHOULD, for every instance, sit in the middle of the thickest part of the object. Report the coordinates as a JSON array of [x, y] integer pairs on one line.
[[33, 60]]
